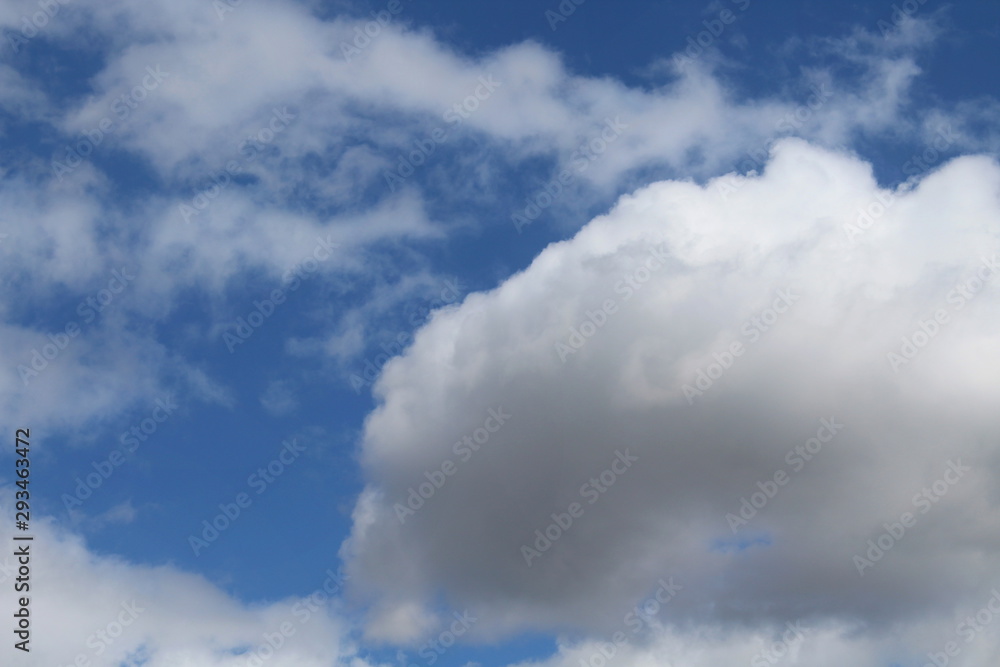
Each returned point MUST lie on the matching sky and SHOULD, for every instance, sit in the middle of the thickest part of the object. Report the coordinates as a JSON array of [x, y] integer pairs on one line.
[[534, 334]]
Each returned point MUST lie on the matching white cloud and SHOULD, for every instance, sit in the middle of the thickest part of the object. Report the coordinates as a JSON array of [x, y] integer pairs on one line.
[[732, 253], [113, 612], [195, 120], [56, 381]]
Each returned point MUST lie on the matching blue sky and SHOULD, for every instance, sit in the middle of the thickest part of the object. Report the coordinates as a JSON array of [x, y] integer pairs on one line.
[[217, 229]]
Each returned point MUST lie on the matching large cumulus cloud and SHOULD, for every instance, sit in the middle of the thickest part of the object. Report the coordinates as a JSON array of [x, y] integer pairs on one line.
[[820, 276]]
